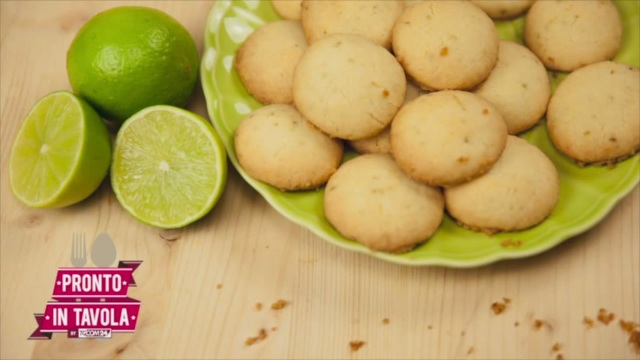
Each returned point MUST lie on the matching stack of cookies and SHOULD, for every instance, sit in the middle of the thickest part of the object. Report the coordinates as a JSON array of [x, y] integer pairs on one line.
[[433, 101]]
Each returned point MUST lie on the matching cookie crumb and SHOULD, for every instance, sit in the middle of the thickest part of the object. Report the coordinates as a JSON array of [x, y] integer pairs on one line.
[[511, 243], [498, 307], [605, 317], [556, 347], [252, 340], [444, 51], [356, 345], [634, 339], [538, 324], [274, 329], [385, 321], [559, 357], [219, 286], [279, 305], [429, 327], [628, 326], [588, 322], [516, 324], [506, 300], [258, 306], [470, 351]]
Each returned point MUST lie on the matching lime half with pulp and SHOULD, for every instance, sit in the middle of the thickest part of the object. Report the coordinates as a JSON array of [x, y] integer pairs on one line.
[[169, 166], [61, 153]]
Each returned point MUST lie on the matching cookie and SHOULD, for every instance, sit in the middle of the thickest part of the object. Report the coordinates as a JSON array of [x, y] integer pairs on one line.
[[446, 45], [266, 61], [567, 35], [594, 114], [348, 86], [379, 144], [288, 9], [519, 191], [370, 200], [503, 9], [447, 137], [276, 145], [372, 19], [518, 87]]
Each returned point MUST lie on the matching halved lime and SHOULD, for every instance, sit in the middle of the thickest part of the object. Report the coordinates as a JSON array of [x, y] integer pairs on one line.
[[169, 166], [61, 153]]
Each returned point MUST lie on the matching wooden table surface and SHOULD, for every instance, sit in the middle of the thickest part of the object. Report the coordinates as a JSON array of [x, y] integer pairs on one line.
[[199, 286]]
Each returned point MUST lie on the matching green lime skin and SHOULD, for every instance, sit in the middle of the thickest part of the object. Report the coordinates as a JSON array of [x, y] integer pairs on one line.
[[128, 58], [61, 153]]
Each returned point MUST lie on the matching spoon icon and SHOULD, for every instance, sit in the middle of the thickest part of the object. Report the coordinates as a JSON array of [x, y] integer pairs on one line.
[[103, 251]]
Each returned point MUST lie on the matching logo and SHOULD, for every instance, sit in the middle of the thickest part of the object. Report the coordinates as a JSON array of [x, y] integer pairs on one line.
[[90, 302]]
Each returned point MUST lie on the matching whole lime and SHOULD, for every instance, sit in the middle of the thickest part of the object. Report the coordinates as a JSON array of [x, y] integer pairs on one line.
[[128, 58]]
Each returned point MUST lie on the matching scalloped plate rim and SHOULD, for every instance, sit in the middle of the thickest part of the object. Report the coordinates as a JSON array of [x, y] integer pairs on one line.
[[565, 233]]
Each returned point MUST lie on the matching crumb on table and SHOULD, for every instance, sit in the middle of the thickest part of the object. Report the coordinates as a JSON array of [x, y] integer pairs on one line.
[[385, 321], [279, 305], [556, 347], [634, 339], [538, 324], [470, 351], [258, 306], [628, 326], [254, 339], [498, 307], [356, 345], [588, 322], [605, 317]]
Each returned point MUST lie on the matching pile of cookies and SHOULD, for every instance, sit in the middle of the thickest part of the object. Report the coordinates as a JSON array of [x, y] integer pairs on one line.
[[433, 101]]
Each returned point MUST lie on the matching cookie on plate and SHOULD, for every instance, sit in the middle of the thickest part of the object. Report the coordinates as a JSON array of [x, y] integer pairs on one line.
[[567, 35], [519, 191], [276, 145], [348, 86], [594, 114], [446, 45], [370, 200], [447, 137], [372, 19], [503, 9], [266, 61], [518, 87], [288, 9], [379, 144]]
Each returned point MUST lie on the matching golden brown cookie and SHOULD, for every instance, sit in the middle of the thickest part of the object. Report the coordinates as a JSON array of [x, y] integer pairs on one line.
[[370, 200], [379, 144], [519, 191], [518, 87], [503, 9], [569, 34], [288, 9], [594, 114], [266, 61], [276, 145], [373, 19], [447, 137], [348, 86], [446, 45]]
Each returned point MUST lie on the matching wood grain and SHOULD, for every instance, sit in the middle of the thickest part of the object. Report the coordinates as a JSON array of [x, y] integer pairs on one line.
[[199, 286]]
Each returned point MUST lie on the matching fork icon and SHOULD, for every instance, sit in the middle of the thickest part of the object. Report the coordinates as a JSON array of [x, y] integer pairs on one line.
[[78, 250]]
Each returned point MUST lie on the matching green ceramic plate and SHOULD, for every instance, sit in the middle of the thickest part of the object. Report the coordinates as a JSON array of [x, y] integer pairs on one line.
[[587, 194]]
